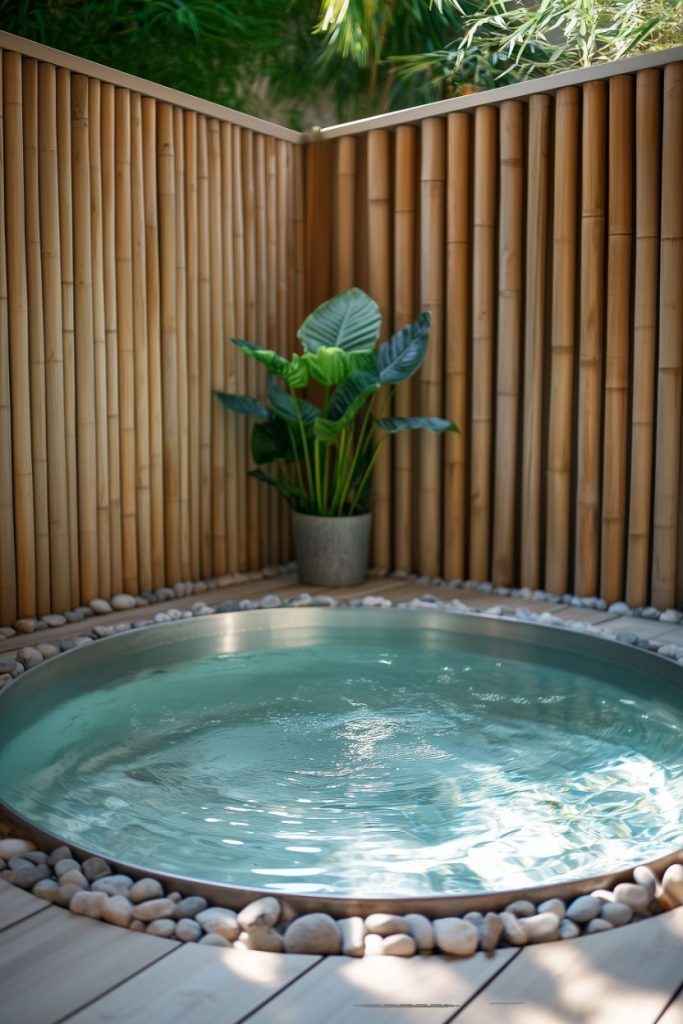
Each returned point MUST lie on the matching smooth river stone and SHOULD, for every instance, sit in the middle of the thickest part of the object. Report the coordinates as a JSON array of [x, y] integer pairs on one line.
[[460, 938], [219, 921], [74, 878], [672, 884], [373, 945], [113, 885], [635, 896], [121, 602], [490, 932], [512, 930], [541, 927], [584, 908], [214, 939], [88, 904], [26, 877], [645, 876], [150, 910], [313, 933], [421, 930], [14, 848], [399, 945], [187, 930], [553, 906], [616, 913], [598, 924], [569, 929], [521, 908], [262, 938], [67, 864], [146, 889], [163, 928], [118, 910], [386, 924], [352, 931], [45, 889], [60, 853], [261, 913], [94, 868], [189, 907]]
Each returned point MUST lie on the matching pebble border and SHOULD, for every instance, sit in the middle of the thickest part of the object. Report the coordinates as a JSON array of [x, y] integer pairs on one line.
[[89, 887]]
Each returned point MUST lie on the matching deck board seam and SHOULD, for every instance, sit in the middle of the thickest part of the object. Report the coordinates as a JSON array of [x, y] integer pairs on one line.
[[483, 988], [276, 995], [20, 920]]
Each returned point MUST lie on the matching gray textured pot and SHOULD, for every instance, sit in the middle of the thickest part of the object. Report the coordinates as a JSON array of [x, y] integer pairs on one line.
[[332, 551]]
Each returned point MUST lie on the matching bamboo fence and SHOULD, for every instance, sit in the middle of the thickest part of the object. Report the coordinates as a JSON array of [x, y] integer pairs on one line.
[[541, 225]]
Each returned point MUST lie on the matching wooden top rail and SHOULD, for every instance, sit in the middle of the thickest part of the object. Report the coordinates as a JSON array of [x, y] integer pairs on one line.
[[492, 97], [49, 55]]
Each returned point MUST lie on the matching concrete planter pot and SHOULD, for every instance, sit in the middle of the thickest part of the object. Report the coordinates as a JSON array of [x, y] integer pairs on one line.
[[332, 551]]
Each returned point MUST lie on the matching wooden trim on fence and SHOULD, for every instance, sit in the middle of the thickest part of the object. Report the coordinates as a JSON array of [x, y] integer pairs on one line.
[[50, 55]]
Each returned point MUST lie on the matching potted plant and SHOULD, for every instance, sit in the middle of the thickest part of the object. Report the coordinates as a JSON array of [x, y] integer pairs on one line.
[[323, 457]]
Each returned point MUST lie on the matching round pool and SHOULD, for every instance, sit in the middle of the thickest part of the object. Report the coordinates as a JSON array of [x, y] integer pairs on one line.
[[339, 753]]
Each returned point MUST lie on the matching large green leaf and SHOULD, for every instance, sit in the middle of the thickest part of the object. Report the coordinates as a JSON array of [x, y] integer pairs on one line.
[[346, 402], [289, 491], [402, 355], [350, 320], [243, 404], [271, 442], [275, 363], [284, 405], [329, 366], [393, 425]]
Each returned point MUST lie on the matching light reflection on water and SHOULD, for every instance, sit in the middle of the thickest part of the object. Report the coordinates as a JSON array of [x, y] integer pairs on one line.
[[359, 770]]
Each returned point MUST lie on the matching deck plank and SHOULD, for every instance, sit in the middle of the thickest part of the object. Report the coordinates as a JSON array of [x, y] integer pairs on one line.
[[626, 976], [646, 628], [15, 904], [198, 985], [53, 963], [382, 990], [674, 1011]]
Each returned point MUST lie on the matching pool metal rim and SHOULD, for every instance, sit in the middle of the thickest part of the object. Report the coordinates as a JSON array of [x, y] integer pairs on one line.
[[251, 622]]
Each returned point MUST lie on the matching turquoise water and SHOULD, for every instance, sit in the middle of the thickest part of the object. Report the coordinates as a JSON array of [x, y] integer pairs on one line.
[[371, 767]]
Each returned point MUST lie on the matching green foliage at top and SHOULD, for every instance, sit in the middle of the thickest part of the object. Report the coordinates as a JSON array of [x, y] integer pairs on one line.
[[332, 450]]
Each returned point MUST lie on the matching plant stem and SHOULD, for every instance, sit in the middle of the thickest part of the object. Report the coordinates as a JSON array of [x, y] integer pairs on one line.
[[360, 445], [366, 475], [307, 458]]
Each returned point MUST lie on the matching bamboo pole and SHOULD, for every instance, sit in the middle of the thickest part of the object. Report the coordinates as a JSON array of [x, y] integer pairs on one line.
[[405, 301], [151, 276], [261, 285], [85, 355], [648, 142], [248, 200], [510, 284], [531, 538], [217, 360], [617, 337], [99, 337], [140, 348], [592, 285], [22, 468], [483, 317], [8, 562], [344, 212], [670, 369], [68, 344], [124, 320], [36, 336], [108, 160], [318, 222], [169, 337], [239, 425], [301, 254], [288, 256], [230, 354], [204, 320], [181, 321], [192, 261], [562, 340], [380, 268], [272, 302]]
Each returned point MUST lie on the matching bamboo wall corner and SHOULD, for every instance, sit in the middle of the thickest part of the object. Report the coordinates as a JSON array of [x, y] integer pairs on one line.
[[139, 231]]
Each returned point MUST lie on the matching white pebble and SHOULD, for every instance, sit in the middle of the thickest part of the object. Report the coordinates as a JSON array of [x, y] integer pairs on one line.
[[512, 930], [352, 931], [219, 921], [399, 945], [584, 908], [490, 932], [187, 930], [521, 908], [373, 945], [29, 656], [14, 848], [117, 910], [150, 910], [264, 912], [635, 896], [74, 878], [113, 885], [100, 606], [121, 602], [88, 904], [264, 939], [386, 924], [163, 928], [66, 864], [569, 929], [672, 884], [645, 876], [94, 868], [616, 913], [598, 924], [313, 933], [553, 906], [460, 938], [146, 889], [420, 928], [214, 939], [541, 927]]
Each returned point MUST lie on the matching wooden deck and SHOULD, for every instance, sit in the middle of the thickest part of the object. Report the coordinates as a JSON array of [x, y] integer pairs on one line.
[[56, 967]]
